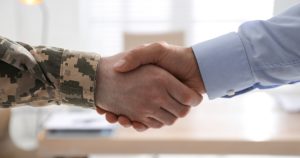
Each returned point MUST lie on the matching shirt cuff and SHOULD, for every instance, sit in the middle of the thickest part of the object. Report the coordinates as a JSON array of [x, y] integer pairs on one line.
[[78, 78], [224, 65]]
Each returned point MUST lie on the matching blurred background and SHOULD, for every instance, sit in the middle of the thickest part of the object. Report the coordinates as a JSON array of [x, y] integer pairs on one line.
[[99, 26], [112, 26]]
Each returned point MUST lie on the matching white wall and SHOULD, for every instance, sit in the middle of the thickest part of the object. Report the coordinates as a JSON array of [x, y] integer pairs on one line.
[[23, 23], [281, 5], [8, 18]]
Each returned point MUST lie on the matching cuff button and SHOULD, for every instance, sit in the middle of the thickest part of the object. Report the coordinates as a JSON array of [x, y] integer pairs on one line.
[[230, 93]]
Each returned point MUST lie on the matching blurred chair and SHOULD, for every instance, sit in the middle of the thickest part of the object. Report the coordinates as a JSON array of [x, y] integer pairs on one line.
[[7, 148], [131, 40]]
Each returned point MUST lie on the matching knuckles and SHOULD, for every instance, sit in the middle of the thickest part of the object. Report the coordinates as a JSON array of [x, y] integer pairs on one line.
[[159, 78], [161, 45]]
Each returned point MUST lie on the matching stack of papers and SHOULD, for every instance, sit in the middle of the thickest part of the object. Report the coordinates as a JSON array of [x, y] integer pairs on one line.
[[78, 123]]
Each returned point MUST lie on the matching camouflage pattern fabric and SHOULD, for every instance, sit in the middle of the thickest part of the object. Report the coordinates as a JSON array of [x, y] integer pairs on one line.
[[41, 75]]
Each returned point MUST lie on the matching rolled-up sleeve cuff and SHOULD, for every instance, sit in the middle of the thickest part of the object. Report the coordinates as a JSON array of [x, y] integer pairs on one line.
[[78, 78], [223, 65]]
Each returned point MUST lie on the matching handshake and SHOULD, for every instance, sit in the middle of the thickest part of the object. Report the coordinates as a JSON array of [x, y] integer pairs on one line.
[[148, 87]]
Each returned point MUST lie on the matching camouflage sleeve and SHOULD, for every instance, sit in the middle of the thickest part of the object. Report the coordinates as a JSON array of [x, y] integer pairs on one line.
[[41, 75]]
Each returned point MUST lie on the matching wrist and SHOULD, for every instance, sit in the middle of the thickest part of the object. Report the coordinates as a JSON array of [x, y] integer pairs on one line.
[[196, 73], [105, 74], [100, 75]]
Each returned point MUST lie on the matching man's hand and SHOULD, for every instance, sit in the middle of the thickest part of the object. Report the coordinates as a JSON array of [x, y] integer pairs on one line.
[[179, 61], [149, 95]]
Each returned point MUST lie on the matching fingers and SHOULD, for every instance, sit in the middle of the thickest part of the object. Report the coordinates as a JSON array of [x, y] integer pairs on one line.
[[111, 118], [100, 110], [177, 109], [160, 119], [149, 122], [124, 121], [152, 122], [164, 117], [183, 94], [145, 54], [139, 126]]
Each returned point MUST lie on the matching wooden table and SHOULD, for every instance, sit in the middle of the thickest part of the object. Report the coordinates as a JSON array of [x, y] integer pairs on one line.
[[251, 124]]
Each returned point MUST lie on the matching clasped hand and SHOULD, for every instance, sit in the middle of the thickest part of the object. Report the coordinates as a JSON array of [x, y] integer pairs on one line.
[[148, 87]]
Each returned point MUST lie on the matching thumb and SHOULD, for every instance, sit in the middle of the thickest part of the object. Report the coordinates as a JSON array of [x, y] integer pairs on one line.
[[149, 54], [125, 65], [132, 60]]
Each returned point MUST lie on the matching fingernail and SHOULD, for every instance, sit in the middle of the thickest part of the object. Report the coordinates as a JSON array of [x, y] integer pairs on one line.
[[196, 102], [120, 63]]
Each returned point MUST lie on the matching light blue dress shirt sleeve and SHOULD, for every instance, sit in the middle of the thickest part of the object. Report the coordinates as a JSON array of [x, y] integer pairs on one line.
[[262, 54]]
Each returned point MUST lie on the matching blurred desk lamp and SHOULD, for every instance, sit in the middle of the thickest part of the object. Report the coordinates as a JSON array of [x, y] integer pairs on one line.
[[44, 11], [44, 33]]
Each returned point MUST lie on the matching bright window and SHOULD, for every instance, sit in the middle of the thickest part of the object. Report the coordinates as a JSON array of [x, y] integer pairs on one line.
[[105, 21]]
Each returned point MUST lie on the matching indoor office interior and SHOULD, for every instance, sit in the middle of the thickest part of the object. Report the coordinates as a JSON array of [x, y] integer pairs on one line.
[[259, 124]]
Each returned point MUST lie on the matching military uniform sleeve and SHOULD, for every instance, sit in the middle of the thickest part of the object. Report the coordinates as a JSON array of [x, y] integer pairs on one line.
[[41, 75]]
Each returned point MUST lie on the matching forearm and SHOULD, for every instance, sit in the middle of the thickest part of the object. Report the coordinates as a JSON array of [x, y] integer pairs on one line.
[[262, 54], [41, 75]]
